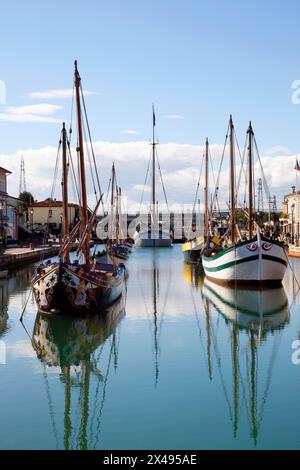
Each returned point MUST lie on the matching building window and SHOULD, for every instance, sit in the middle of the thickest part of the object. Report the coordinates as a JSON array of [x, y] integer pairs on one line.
[[50, 213]]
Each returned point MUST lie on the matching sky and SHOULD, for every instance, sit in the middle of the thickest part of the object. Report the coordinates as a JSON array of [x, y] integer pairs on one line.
[[198, 61]]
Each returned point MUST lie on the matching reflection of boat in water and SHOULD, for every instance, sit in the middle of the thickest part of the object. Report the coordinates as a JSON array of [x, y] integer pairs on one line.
[[70, 343], [259, 310], [15, 284], [250, 316], [63, 340], [193, 274]]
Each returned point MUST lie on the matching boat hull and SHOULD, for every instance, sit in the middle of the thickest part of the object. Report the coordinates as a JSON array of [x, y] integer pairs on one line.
[[257, 262], [148, 239], [63, 287]]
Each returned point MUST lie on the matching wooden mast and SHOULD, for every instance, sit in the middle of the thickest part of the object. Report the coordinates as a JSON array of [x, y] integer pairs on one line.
[[112, 202], [232, 181], [64, 184], [250, 178], [206, 192], [84, 215], [153, 164]]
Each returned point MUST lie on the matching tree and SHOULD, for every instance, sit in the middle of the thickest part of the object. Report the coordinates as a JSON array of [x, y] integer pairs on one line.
[[26, 197]]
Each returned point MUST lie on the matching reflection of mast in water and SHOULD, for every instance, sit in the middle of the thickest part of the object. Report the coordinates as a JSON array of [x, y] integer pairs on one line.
[[256, 313], [157, 310], [155, 287], [69, 342]]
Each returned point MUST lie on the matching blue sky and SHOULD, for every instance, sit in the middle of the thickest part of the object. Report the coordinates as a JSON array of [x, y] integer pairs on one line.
[[194, 59]]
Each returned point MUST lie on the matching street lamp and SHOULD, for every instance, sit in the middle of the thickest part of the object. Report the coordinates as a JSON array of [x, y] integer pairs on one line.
[[293, 208], [31, 219]]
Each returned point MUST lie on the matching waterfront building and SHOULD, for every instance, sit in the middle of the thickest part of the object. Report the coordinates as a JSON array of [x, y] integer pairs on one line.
[[291, 208], [41, 213], [11, 211]]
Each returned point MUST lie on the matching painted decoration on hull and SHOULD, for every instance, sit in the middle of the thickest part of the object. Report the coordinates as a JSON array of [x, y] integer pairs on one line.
[[75, 288]]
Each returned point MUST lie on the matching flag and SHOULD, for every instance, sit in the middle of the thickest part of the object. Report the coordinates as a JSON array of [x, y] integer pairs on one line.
[[153, 116], [297, 166]]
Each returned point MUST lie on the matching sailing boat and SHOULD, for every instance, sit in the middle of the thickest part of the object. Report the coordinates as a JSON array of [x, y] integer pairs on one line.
[[257, 259], [154, 234], [193, 249], [66, 286], [117, 246]]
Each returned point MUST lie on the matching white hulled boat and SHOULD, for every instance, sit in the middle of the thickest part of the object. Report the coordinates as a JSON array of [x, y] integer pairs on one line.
[[154, 234], [257, 260]]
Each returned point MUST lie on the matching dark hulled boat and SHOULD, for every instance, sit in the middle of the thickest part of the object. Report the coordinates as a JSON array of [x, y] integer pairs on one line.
[[85, 284]]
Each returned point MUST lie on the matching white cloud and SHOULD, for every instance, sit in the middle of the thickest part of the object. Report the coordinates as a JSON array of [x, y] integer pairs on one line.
[[31, 113], [27, 118], [129, 131], [42, 108], [57, 94], [277, 150], [173, 116], [180, 165]]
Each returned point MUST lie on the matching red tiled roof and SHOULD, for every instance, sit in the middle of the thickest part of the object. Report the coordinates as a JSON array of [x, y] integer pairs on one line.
[[51, 204]]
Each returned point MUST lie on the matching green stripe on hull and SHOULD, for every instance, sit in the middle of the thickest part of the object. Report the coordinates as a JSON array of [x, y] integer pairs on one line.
[[231, 263], [243, 260]]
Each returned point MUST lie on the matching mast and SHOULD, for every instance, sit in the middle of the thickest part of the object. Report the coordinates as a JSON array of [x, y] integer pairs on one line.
[[153, 164], [84, 221], [250, 178], [206, 192], [64, 183], [112, 201], [113, 178], [232, 181]]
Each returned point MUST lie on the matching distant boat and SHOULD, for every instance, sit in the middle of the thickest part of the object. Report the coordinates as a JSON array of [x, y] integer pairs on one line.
[[253, 258], [153, 234], [193, 248], [85, 286]]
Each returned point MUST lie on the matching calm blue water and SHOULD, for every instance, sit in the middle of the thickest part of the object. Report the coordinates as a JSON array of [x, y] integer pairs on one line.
[[181, 364]]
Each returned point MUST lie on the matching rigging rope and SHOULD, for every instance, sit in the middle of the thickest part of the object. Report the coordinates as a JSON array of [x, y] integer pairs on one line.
[[198, 184], [91, 144], [162, 182], [145, 182]]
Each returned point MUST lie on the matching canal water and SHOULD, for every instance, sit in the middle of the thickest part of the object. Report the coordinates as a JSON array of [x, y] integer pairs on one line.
[[179, 363]]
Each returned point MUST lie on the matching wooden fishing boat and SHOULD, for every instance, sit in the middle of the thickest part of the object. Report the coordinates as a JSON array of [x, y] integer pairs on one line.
[[253, 258], [85, 284], [153, 234]]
